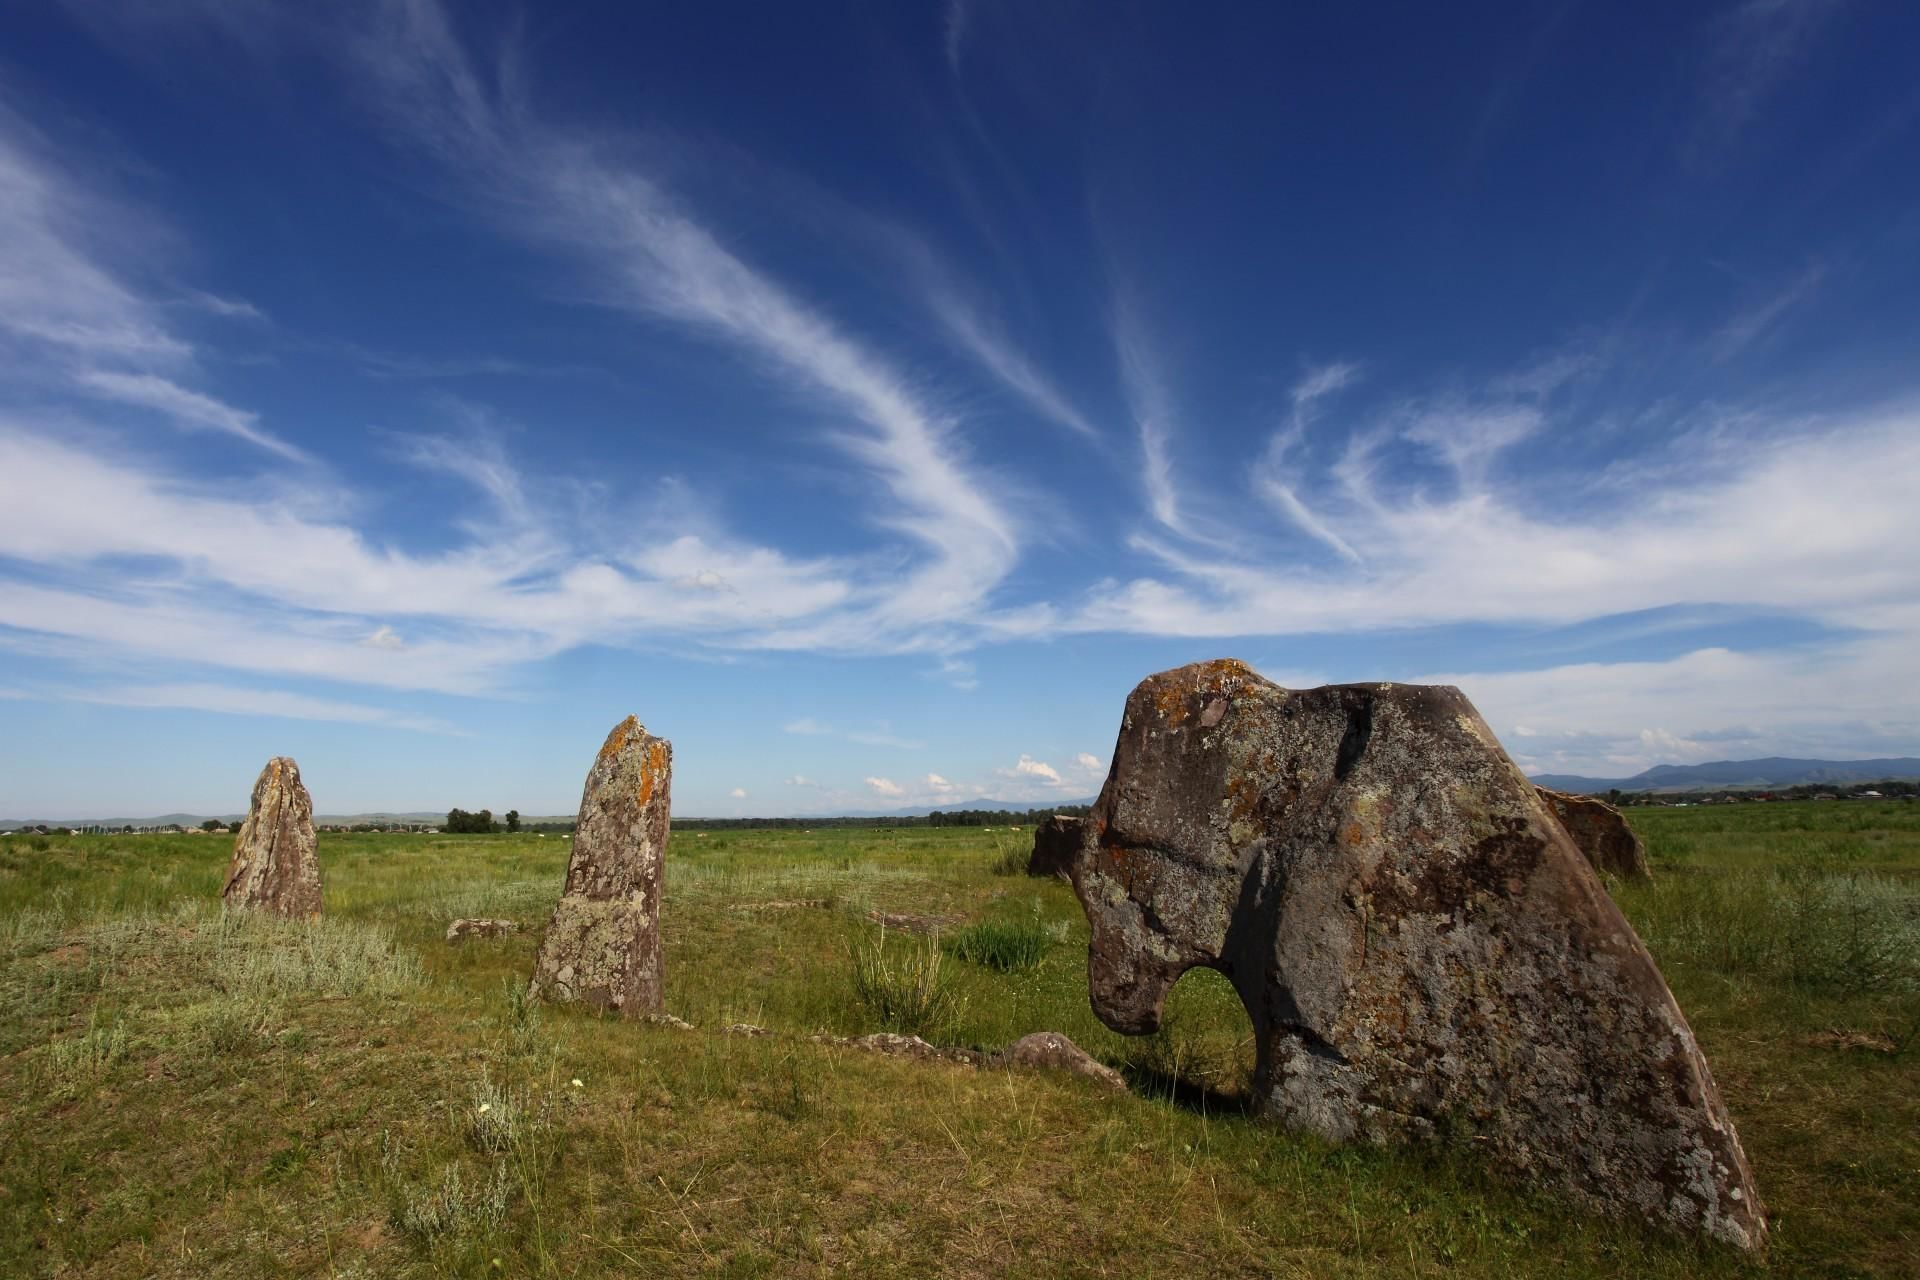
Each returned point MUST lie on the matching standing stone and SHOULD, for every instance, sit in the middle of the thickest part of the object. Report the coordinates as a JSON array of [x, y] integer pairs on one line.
[[1600, 831], [1053, 844], [603, 944], [276, 864], [1422, 950]]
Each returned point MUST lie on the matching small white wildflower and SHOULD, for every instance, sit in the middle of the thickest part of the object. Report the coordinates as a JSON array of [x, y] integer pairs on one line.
[[575, 1082], [485, 1107]]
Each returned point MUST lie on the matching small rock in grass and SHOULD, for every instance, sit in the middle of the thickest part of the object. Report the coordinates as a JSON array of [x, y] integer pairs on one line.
[[1051, 1051], [461, 930]]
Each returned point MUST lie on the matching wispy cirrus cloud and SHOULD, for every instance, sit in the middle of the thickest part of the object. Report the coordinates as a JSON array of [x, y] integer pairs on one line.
[[240, 701], [68, 317], [1792, 517], [1752, 48], [653, 257], [1150, 402], [1759, 318], [190, 409], [881, 735]]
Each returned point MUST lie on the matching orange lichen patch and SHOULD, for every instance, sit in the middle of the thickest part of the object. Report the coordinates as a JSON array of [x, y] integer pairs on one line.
[[617, 740], [1217, 673], [1170, 702], [653, 770]]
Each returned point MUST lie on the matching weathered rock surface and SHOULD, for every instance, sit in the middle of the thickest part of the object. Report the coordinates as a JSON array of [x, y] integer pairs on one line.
[[461, 930], [1051, 1051], [603, 944], [1054, 842], [1420, 946], [276, 861], [1600, 831]]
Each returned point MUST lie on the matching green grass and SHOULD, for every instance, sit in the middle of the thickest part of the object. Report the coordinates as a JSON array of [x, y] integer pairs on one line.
[[183, 1094], [1010, 946]]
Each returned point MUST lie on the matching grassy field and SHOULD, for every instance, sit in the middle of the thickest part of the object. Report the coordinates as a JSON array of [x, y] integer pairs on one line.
[[187, 1095]]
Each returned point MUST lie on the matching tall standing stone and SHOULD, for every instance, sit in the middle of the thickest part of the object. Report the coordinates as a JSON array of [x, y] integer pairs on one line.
[[603, 944], [276, 863], [1422, 950], [1054, 842], [1600, 831]]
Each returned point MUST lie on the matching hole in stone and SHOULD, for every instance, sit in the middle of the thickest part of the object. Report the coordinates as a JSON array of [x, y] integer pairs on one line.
[[1201, 1058]]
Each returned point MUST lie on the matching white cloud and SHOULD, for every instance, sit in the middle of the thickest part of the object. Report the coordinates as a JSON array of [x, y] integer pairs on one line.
[[885, 787], [880, 735], [231, 700], [738, 793], [255, 579], [938, 785], [1800, 520], [1028, 767], [1614, 719], [1090, 763], [801, 780]]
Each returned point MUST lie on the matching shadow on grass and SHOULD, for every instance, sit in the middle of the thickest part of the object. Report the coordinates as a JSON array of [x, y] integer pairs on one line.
[[1196, 1096]]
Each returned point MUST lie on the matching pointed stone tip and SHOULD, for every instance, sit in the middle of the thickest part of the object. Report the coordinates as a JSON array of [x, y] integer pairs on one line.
[[622, 734]]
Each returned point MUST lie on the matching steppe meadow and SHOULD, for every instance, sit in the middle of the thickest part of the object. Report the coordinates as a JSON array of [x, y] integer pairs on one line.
[[192, 1094]]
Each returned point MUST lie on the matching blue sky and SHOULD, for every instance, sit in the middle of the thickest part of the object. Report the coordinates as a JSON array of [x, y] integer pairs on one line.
[[868, 395]]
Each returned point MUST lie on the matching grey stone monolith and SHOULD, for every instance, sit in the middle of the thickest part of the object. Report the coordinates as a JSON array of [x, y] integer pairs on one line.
[[602, 945], [1423, 952], [276, 861]]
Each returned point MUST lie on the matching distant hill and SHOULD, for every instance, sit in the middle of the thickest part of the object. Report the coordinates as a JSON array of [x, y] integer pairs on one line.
[[195, 819], [1746, 775], [355, 819]]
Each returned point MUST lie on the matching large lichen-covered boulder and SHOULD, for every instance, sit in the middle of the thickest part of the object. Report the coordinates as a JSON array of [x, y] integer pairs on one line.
[[1053, 844], [1600, 831], [1422, 950], [603, 944], [276, 861]]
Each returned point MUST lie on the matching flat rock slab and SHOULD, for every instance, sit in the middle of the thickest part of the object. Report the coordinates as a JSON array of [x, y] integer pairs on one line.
[[1422, 950], [1601, 833], [276, 859], [602, 945], [462, 930]]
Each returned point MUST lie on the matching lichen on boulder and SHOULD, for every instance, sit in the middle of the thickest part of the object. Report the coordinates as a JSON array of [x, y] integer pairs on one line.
[[602, 945], [1422, 950], [276, 861]]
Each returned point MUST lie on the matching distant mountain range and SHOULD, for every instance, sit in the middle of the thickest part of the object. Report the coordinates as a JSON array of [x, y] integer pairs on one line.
[[433, 819], [1746, 775]]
